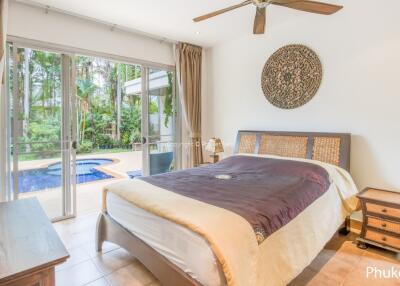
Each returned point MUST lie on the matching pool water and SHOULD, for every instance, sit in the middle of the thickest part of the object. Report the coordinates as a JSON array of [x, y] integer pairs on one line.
[[50, 177]]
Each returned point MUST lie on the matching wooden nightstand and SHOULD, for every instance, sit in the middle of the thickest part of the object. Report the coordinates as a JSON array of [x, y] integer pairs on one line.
[[381, 219]]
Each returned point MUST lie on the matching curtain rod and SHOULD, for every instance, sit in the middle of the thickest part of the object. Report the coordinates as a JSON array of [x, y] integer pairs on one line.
[[59, 48], [111, 26]]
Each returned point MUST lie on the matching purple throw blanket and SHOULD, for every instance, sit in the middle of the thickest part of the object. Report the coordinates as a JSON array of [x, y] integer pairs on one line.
[[267, 192]]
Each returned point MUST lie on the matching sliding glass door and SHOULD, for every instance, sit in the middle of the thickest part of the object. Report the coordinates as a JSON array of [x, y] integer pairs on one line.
[[42, 157], [160, 125], [77, 122]]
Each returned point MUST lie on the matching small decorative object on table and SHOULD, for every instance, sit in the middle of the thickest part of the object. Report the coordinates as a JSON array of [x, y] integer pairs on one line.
[[381, 219], [223, 177], [214, 145]]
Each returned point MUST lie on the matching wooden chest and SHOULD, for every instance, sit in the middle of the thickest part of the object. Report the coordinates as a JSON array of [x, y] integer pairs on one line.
[[381, 219]]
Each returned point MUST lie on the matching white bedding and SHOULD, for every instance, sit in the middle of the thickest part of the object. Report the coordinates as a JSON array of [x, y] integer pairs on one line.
[[284, 254], [186, 249]]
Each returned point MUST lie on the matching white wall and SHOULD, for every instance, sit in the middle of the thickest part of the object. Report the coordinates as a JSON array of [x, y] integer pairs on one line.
[[360, 93], [33, 23]]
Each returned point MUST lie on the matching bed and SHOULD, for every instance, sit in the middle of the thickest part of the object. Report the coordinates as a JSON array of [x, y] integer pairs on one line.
[[208, 244]]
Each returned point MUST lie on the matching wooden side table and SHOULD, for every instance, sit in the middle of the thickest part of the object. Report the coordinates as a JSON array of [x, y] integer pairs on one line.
[[381, 219], [30, 247]]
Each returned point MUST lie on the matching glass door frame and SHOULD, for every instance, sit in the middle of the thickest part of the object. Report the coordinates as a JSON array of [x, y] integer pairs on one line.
[[176, 119], [68, 132]]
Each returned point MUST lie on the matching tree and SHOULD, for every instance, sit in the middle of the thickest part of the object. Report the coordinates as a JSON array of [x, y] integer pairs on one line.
[[85, 88]]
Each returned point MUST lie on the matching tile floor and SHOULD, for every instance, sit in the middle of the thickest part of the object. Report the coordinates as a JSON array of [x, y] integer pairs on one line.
[[114, 266], [340, 263]]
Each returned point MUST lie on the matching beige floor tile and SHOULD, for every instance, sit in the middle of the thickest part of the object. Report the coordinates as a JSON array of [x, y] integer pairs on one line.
[[79, 224], [305, 277], [349, 252], [78, 275], [77, 239], [77, 255], [359, 275], [337, 269], [99, 282], [90, 248], [113, 260], [321, 260], [134, 274], [322, 279], [381, 254]]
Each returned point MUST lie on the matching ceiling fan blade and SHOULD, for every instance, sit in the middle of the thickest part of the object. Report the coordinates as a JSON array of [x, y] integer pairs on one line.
[[283, 1], [259, 21], [312, 7], [213, 14]]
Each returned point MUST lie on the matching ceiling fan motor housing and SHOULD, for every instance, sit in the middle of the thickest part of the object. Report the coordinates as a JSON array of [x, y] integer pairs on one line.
[[261, 3]]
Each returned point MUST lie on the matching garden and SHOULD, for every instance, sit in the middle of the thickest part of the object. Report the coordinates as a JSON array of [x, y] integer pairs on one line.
[[108, 118]]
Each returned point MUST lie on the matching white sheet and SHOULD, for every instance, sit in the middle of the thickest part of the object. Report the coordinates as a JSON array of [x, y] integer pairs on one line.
[[186, 249], [284, 254]]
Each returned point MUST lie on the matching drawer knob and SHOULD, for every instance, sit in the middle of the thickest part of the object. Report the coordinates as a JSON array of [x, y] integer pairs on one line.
[[384, 239], [384, 210], [383, 224]]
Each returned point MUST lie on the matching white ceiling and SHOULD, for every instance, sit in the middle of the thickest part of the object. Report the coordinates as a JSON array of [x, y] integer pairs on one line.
[[172, 19]]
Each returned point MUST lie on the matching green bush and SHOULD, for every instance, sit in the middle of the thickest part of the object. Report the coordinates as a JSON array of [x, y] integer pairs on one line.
[[104, 141], [85, 147]]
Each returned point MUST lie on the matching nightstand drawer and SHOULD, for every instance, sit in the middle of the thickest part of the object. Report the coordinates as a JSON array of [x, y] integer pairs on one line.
[[383, 239], [384, 225], [382, 210]]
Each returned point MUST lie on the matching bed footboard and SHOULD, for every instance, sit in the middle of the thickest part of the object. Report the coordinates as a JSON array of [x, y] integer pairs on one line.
[[166, 272]]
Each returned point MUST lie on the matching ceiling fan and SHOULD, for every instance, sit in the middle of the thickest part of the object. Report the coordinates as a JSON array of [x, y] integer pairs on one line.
[[261, 5]]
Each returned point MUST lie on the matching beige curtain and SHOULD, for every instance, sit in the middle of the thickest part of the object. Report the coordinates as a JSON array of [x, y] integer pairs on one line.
[[188, 65], [3, 119]]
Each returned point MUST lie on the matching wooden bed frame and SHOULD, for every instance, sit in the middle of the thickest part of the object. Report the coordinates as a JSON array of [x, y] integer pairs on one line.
[[332, 148]]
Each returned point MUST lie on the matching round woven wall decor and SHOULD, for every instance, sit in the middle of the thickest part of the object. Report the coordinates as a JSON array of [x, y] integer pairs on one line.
[[291, 76]]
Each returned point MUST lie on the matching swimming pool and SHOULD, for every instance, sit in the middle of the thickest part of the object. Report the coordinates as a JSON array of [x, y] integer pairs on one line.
[[50, 177]]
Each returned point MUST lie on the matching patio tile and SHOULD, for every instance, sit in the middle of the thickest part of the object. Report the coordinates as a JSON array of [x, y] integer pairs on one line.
[[113, 260], [78, 275]]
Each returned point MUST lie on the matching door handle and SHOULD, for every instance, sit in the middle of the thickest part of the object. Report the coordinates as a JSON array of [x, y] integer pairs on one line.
[[144, 140], [74, 145]]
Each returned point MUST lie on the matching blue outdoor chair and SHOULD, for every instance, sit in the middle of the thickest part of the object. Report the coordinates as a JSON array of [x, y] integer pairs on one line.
[[160, 162]]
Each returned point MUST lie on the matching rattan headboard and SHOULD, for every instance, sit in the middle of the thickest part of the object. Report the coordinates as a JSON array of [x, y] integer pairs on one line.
[[333, 148]]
